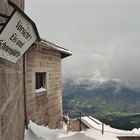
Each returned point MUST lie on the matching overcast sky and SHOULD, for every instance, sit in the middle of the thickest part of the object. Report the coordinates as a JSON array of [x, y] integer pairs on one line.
[[104, 35]]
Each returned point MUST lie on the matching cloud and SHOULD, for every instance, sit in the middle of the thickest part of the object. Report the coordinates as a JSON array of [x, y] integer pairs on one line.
[[124, 63], [119, 59], [103, 35]]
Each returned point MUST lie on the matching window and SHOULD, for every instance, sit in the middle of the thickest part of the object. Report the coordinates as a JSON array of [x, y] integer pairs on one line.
[[40, 79]]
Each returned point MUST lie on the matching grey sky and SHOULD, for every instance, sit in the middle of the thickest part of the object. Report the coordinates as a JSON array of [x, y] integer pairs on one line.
[[104, 35]]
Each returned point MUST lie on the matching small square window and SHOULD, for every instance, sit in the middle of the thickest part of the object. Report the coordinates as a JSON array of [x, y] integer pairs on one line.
[[40, 79]]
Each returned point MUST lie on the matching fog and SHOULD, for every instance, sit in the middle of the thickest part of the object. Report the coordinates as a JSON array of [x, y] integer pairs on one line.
[[102, 34]]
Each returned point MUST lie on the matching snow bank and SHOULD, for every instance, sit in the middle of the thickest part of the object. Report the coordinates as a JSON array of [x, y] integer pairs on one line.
[[36, 132], [40, 132], [30, 135], [136, 131], [96, 124]]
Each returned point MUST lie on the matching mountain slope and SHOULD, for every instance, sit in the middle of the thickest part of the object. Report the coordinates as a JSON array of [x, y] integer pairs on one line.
[[105, 100]]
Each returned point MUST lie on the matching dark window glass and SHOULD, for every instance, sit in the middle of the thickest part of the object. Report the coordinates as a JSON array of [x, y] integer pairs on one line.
[[40, 79]]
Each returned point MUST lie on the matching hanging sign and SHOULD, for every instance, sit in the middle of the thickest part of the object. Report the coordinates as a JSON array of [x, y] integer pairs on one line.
[[17, 36]]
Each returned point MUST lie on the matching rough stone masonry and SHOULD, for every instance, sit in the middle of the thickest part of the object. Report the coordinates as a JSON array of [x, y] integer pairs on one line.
[[45, 107], [11, 90]]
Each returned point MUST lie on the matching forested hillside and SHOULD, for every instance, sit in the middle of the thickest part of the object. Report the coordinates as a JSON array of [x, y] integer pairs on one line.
[[108, 101]]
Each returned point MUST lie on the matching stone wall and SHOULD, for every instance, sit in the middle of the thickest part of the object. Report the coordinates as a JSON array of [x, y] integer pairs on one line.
[[75, 124], [44, 107], [11, 92]]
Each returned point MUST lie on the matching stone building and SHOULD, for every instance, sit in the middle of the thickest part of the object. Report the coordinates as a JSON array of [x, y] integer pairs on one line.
[[43, 83], [39, 97], [11, 91]]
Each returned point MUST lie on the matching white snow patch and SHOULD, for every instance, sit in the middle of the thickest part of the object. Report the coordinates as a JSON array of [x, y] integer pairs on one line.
[[40, 90]]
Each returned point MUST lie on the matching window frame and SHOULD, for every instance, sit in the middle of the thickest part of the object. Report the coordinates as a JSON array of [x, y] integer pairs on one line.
[[40, 80]]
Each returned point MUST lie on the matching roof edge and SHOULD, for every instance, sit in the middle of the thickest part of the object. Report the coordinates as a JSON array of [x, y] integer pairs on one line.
[[65, 52], [49, 45]]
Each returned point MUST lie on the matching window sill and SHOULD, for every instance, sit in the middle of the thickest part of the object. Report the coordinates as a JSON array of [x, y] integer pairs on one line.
[[40, 90]]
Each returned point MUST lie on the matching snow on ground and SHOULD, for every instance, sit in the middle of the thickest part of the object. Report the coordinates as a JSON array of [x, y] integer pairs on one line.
[[36, 132], [96, 124]]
